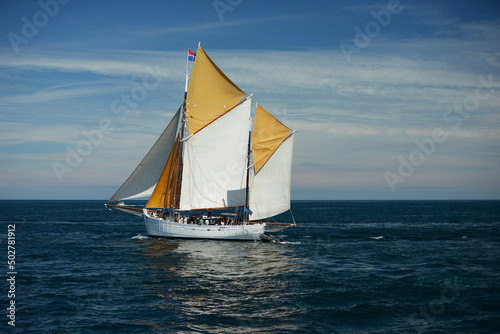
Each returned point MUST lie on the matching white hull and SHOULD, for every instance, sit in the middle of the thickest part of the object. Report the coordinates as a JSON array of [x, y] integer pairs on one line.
[[159, 227]]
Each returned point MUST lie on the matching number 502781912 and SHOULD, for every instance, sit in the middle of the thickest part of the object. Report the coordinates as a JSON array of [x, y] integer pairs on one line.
[[11, 241]]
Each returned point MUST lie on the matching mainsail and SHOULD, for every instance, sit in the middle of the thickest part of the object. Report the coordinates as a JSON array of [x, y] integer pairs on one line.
[[214, 170]]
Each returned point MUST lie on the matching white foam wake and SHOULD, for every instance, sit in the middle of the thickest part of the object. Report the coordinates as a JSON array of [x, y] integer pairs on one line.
[[141, 237]]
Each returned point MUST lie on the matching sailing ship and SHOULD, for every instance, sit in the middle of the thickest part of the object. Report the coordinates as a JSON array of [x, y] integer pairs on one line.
[[211, 174]]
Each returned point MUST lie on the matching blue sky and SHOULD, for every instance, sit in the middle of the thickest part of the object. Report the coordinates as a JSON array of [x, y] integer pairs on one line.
[[391, 99]]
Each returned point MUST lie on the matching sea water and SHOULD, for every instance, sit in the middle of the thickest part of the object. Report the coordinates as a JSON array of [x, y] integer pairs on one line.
[[347, 267]]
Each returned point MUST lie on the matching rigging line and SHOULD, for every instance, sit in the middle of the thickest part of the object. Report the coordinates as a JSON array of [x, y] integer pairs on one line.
[[294, 223]]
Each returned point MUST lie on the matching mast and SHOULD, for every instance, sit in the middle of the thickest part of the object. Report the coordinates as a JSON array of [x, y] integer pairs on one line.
[[178, 177], [177, 195], [248, 176], [186, 86]]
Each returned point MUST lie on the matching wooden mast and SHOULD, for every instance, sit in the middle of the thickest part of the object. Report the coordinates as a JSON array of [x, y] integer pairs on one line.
[[177, 193], [248, 176], [180, 141]]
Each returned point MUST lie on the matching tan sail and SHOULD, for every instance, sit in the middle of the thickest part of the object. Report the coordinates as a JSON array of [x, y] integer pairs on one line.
[[166, 194], [268, 134], [210, 94]]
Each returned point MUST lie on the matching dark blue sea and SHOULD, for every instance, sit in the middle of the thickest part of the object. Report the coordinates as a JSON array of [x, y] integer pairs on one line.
[[348, 267]]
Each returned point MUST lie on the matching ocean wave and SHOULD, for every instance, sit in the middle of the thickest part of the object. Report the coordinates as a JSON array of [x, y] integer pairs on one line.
[[141, 237]]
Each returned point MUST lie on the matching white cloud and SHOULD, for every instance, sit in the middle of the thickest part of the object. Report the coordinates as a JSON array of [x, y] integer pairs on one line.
[[109, 63], [50, 94], [213, 25]]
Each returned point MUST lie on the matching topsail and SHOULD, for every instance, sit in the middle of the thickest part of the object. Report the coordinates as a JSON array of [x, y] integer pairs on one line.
[[210, 94]]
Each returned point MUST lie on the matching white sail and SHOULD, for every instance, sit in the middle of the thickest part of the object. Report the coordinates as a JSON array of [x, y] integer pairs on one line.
[[142, 181], [143, 194], [214, 162], [270, 188]]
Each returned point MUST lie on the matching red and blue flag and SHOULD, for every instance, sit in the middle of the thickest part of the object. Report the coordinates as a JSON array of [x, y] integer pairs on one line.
[[191, 55]]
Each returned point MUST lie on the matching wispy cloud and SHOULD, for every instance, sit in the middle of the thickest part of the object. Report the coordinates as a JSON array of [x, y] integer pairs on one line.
[[213, 25], [442, 24], [113, 64], [53, 94]]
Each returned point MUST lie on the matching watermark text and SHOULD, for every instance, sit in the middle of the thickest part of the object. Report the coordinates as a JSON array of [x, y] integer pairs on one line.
[[11, 274], [427, 146], [31, 27]]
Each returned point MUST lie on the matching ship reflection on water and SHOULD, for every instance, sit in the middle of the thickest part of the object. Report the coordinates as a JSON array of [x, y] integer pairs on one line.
[[214, 286]]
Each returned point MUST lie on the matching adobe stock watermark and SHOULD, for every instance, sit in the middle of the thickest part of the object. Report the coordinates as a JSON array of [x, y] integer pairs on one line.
[[372, 29], [31, 27], [222, 6], [94, 137], [427, 146], [426, 315]]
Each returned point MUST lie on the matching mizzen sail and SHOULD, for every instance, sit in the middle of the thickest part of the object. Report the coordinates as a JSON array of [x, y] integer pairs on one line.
[[270, 187], [270, 177]]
